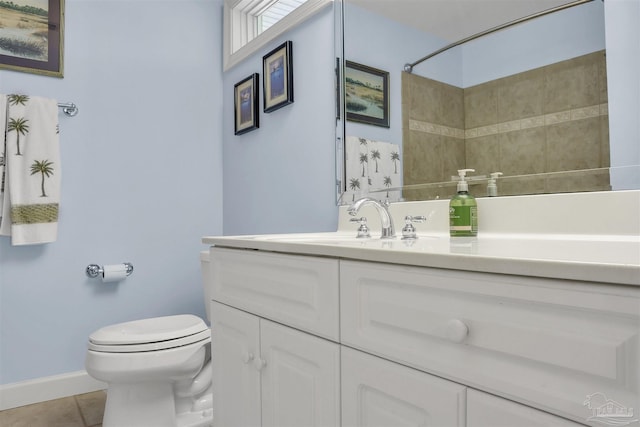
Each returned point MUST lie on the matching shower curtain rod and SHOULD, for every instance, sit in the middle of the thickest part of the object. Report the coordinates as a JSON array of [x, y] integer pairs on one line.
[[409, 67], [68, 108]]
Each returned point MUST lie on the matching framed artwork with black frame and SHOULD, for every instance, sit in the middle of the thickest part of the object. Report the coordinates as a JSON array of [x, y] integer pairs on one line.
[[246, 111], [277, 71], [366, 91], [31, 36]]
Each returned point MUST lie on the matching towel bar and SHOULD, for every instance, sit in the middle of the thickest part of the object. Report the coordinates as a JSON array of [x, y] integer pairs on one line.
[[68, 108]]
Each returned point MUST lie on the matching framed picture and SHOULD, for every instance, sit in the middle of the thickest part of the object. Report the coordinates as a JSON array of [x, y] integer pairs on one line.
[[366, 92], [277, 69], [246, 104], [31, 36]]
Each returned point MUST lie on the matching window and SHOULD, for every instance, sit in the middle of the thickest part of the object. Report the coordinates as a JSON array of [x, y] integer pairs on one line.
[[250, 24]]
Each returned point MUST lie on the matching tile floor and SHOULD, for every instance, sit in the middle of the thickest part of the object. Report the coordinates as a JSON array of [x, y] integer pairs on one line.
[[83, 410]]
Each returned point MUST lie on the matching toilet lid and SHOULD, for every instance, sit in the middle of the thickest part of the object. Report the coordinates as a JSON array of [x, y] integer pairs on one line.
[[154, 330], [203, 337]]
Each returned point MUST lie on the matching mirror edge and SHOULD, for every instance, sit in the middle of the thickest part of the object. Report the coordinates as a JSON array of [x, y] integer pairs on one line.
[[340, 130]]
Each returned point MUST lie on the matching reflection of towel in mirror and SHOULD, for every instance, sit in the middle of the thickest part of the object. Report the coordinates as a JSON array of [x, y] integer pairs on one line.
[[373, 169], [30, 196]]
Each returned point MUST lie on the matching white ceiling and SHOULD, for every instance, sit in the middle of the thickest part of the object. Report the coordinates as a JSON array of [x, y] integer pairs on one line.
[[454, 20]]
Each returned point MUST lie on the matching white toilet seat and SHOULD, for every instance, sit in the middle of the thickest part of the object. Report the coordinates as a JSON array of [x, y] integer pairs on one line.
[[153, 334]]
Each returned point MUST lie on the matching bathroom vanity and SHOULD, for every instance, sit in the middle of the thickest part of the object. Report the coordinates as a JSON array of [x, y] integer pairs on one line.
[[508, 329]]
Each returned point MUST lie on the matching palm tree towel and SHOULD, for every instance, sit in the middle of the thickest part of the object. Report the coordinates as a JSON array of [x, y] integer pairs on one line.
[[30, 169]]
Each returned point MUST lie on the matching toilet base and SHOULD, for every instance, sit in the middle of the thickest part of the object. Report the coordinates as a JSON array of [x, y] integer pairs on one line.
[[149, 404]]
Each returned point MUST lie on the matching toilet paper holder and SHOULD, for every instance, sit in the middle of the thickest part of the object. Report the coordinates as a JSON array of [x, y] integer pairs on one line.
[[94, 270]]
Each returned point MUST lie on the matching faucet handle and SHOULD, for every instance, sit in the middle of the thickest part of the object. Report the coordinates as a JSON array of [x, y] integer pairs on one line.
[[409, 231], [363, 230]]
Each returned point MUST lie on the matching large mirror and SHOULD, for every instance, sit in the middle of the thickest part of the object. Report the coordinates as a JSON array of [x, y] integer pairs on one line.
[[528, 103]]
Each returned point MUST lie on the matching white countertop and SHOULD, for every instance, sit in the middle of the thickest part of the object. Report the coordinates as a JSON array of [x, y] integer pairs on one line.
[[615, 259], [580, 236]]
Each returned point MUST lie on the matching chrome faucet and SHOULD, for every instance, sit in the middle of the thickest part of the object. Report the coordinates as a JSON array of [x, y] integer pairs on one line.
[[388, 231]]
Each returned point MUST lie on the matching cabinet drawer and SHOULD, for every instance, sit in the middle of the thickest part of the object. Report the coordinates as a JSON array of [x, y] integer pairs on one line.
[[380, 393], [485, 410], [295, 290], [545, 343]]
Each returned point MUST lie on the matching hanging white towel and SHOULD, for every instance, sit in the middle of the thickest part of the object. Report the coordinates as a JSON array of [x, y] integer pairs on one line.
[[373, 169], [31, 196]]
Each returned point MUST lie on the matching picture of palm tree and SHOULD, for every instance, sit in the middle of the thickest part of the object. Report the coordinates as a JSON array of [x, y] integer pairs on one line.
[[375, 155], [354, 184], [395, 158], [43, 167], [21, 127], [363, 159], [387, 183]]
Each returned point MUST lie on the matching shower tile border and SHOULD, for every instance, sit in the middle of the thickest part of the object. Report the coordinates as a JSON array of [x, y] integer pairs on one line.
[[512, 125]]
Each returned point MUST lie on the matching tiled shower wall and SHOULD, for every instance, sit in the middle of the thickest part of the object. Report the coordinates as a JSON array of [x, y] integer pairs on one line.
[[541, 123]]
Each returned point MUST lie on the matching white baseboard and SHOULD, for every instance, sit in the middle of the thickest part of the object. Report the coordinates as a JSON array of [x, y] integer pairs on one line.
[[47, 388]]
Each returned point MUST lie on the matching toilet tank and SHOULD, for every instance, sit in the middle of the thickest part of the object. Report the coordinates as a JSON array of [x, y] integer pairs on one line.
[[206, 281]]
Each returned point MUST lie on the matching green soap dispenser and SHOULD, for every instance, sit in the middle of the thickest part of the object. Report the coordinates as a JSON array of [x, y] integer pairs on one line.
[[463, 210]]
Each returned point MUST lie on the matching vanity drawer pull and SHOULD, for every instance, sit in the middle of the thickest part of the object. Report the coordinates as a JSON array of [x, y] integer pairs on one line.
[[457, 330]]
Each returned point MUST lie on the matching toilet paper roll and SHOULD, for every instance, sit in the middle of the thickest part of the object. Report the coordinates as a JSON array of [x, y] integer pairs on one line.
[[114, 273]]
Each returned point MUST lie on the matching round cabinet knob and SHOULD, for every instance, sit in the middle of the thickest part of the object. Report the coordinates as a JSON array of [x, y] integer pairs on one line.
[[260, 364], [457, 330], [247, 357]]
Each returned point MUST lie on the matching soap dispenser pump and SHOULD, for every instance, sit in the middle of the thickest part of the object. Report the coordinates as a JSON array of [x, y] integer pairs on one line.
[[463, 210], [492, 187]]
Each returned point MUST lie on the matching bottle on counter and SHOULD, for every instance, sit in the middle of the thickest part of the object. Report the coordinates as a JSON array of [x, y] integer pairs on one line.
[[492, 186], [463, 210]]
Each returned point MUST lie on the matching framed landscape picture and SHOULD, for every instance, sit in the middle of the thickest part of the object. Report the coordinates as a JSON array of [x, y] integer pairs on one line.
[[366, 92], [246, 104], [31, 36], [277, 69]]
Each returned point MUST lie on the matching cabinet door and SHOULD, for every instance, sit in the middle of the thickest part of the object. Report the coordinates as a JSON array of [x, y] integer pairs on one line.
[[235, 345], [300, 378], [376, 392], [486, 410]]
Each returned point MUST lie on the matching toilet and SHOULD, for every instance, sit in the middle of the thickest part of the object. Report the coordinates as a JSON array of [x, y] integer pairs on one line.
[[158, 370]]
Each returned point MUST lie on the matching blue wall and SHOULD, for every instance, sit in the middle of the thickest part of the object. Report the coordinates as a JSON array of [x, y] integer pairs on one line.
[[141, 179], [280, 177]]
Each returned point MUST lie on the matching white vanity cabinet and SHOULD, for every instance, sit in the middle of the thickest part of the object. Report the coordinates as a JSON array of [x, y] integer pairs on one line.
[[305, 340], [267, 374]]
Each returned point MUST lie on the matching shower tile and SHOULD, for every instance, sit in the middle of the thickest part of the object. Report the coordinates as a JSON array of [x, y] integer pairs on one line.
[[521, 185], [54, 413], [574, 145], [604, 141], [521, 96], [453, 157], [483, 154], [481, 105], [602, 77], [573, 84], [523, 152], [576, 181]]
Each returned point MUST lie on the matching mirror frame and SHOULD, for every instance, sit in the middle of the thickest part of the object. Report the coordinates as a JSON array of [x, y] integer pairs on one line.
[[234, 29]]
